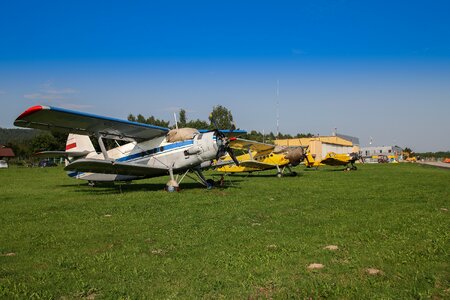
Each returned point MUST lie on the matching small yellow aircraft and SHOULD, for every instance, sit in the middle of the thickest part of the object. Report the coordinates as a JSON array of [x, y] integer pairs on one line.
[[261, 156], [334, 159]]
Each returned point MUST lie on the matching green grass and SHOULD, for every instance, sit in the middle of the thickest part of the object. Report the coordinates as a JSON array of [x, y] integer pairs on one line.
[[253, 239]]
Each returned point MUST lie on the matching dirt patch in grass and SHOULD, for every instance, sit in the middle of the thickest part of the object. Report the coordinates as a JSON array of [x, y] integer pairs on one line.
[[159, 252], [373, 271], [8, 254], [272, 247], [331, 247], [263, 292], [315, 266]]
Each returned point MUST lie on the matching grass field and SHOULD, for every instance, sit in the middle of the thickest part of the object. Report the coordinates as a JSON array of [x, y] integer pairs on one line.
[[254, 239]]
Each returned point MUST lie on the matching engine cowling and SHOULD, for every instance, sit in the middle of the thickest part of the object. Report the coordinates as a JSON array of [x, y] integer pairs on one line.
[[295, 155]]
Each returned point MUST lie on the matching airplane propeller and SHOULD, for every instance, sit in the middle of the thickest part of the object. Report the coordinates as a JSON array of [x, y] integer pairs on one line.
[[355, 156], [306, 154], [225, 146]]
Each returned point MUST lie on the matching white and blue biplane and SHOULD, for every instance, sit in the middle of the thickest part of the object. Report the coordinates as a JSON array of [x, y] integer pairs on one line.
[[148, 151]]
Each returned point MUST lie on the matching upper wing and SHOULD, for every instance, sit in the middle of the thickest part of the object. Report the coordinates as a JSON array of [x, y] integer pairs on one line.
[[63, 120], [243, 144]]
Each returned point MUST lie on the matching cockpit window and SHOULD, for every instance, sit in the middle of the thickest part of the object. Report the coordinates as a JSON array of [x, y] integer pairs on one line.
[[199, 137]]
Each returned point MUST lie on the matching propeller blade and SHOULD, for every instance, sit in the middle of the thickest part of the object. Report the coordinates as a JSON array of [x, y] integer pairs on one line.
[[307, 159], [233, 157]]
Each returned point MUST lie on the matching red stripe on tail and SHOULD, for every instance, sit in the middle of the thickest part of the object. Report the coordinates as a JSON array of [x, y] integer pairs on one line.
[[70, 146]]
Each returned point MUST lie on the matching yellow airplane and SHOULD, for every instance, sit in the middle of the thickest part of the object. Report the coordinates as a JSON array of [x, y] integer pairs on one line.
[[261, 156], [334, 159]]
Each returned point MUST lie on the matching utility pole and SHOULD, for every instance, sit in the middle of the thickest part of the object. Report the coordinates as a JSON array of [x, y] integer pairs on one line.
[[278, 108]]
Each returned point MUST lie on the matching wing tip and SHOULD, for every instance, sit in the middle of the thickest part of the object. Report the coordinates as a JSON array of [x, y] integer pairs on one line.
[[31, 110]]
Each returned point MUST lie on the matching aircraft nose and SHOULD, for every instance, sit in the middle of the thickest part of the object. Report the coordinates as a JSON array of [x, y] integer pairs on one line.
[[295, 156]]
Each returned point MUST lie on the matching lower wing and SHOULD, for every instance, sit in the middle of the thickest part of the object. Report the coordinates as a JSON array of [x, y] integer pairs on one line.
[[110, 167]]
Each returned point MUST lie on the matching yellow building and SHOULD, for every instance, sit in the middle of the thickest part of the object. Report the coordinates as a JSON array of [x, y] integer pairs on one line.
[[319, 146]]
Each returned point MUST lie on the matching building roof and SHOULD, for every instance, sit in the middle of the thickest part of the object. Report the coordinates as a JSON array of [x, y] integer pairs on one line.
[[336, 140], [353, 139], [381, 148], [6, 152]]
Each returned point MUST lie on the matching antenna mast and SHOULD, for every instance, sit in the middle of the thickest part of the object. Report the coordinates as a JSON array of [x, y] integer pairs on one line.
[[175, 117], [278, 108]]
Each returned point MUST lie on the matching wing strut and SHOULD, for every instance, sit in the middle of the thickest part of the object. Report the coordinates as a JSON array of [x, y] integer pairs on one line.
[[102, 147]]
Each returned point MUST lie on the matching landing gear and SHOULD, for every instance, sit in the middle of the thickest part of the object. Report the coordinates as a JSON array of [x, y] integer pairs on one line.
[[173, 184], [210, 184], [91, 183], [352, 167], [280, 172]]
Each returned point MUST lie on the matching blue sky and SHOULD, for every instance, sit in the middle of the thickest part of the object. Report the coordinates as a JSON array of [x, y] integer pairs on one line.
[[370, 68]]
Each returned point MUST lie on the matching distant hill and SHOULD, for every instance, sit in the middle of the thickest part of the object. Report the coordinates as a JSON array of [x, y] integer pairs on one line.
[[17, 135]]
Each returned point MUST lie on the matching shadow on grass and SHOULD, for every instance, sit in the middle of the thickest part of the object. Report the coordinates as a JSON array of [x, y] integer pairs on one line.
[[117, 188], [327, 169], [261, 175]]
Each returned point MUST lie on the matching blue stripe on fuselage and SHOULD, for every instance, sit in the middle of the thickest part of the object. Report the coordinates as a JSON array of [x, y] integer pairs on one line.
[[160, 149]]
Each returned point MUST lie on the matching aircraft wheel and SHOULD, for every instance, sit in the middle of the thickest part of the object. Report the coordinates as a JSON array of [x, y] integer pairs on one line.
[[209, 184], [91, 183], [293, 174], [354, 168], [171, 189], [279, 175], [347, 169]]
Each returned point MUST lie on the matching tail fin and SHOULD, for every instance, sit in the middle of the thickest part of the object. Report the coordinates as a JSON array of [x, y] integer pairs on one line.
[[78, 143]]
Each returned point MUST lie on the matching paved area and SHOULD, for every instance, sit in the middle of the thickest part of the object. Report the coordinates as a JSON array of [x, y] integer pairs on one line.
[[439, 164]]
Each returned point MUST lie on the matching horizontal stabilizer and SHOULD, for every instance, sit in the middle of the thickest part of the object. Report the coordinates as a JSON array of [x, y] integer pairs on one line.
[[111, 167], [61, 154]]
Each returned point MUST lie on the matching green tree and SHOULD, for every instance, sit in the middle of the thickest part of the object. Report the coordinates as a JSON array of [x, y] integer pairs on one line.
[[150, 120], [131, 118], [221, 117], [141, 119], [198, 124], [44, 142], [182, 118]]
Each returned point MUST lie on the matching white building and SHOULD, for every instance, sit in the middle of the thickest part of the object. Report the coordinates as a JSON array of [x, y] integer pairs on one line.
[[372, 153]]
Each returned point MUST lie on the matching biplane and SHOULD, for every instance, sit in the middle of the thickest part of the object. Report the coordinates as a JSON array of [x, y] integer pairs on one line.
[[261, 156], [146, 150], [334, 159]]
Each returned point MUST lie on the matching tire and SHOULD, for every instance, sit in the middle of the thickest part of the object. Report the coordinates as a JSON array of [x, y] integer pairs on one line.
[[210, 184]]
